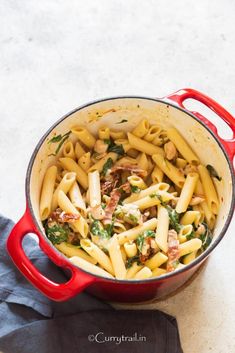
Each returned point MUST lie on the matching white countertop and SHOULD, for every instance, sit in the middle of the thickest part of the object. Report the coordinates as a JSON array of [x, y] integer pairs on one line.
[[56, 55]]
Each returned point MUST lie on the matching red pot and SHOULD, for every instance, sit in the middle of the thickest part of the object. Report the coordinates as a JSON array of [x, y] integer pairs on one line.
[[203, 137]]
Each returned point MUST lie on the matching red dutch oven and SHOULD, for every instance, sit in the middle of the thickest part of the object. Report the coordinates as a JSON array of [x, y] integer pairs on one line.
[[169, 111]]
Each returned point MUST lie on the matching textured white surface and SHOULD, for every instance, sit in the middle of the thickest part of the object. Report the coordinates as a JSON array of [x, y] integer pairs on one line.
[[56, 55]]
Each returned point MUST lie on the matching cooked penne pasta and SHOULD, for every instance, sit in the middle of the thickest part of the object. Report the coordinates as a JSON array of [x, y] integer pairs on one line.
[[71, 250], [187, 192], [130, 249], [133, 233], [84, 136], [68, 150], [47, 192], [144, 146], [170, 170], [79, 150], [156, 261], [128, 205], [87, 266], [182, 146], [131, 272], [189, 246], [141, 129], [162, 229], [209, 189], [85, 161], [66, 205], [95, 252], [144, 273], [104, 133], [72, 166], [152, 133], [158, 272], [116, 258], [143, 161], [65, 185], [76, 197]]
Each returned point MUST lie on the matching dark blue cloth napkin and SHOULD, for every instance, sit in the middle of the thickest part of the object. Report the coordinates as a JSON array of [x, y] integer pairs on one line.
[[30, 322]]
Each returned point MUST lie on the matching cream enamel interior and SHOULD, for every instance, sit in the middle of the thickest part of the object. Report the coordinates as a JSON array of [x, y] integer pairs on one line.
[[112, 111]]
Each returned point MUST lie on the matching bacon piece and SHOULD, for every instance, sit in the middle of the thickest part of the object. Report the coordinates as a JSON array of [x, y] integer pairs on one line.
[[173, 250], [63, 217], [132, 168], [126, 187], [111, 206]]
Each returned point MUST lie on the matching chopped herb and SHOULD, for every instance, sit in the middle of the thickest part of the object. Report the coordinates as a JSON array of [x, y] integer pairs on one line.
[[191, 235], [135, 189], [174, 219], [107, 165], [213, 173], [107, 141], [133, 218], [116, 149], [96, 229], [61, 139], [122, 121], [103, 205], [57, 234], [149, 233], [173, 215], [142, 237], [206, 237], [109, 229], [175, 263], [153, 195], [131, 260]]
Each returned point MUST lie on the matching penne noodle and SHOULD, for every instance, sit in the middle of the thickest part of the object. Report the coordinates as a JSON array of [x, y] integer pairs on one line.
[[87, 266], [94, 189], [144, 273], [156, 261], [116, 258], [95, 252], [156, 188], [66, 205], [99, 165], [47, 192], [104, 133], [190, 257], [79, 150], [68, 150], [85, 161], [162, 229], [71, 250], [182, 146], [72, 166], [185, 231], [65, 185], [76, 197], [189, 246], [143, 161], [133, 233], [209, 189], [158, 272], [190, 217], [135, 180], [131, 272], [130, 249], [141, 129], [84, 136], [157, 175], [187, 192], [153, 200], [144, 146], [152, 133], [170, 170], [117, 134]]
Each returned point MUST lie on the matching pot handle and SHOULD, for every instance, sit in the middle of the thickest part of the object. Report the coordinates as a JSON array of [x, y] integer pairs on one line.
[[180, 96], [55, 291]]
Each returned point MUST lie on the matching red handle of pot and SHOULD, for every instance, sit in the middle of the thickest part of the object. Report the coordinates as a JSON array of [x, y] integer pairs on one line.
[[180, 96], [55, 291]]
